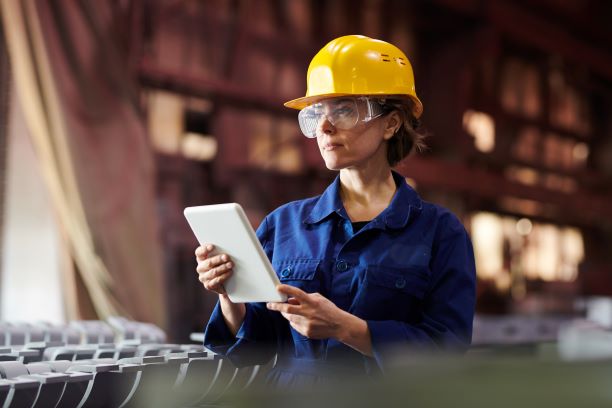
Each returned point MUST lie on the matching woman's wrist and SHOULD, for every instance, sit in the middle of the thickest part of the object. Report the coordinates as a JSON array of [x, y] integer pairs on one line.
[[233, 313], [354, 332]]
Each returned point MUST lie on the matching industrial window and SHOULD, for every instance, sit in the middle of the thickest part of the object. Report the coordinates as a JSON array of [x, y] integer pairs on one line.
[[181, 126], [509, 250]]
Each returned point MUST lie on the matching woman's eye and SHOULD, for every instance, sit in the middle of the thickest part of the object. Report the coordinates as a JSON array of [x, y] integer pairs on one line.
[[346, 111]]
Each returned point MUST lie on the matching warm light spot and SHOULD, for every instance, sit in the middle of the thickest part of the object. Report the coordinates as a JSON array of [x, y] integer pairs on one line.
[[509, 251], [503, 282], [548, 255], [523, 175], [289, 159], [482, 128], [523, 226], [580, 152], [553, 253], [165, 121], [274, 145], [199, 147], [528, 260], [572, 250], [487, 234]]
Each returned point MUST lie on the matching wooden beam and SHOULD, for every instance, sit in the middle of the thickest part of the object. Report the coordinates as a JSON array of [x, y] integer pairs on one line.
[[279, 45], [547, 36], [517, 23], [582, 207], [151, 75]]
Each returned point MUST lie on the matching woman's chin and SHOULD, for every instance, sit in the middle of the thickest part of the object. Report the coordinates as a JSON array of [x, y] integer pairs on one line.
[[333, 165]]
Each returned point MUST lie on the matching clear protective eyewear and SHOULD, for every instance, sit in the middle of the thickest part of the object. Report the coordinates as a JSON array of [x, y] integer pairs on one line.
[[342, 113]]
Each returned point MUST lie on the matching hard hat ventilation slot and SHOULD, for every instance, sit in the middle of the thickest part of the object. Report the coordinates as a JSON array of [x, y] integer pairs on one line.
[[400, 61], [385, 57]]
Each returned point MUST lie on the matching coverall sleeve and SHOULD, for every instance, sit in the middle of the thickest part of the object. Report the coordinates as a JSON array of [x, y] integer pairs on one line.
[[255, 341], [448, 309]]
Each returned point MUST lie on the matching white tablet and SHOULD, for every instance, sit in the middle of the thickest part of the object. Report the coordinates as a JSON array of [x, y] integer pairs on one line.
[[228, 229]]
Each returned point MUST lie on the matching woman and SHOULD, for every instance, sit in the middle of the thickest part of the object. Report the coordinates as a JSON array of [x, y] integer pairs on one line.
[[367, 266]]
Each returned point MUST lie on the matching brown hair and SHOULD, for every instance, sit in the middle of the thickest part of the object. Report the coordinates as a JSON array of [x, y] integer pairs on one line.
[[409, 136]]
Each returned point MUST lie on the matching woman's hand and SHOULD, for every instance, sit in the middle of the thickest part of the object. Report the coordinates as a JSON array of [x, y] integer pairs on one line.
[[316, 317], [310, 314], [213, 271]]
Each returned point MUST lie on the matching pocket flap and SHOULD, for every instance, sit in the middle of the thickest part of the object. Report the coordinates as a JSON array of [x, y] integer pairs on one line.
[[413, 281], [301, 269]]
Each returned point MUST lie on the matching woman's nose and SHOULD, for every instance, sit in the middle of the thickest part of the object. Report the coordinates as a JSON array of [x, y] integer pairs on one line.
[[326, 126]]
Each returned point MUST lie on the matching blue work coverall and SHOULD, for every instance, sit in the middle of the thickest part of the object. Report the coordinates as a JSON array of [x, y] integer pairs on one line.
[[409, 273]]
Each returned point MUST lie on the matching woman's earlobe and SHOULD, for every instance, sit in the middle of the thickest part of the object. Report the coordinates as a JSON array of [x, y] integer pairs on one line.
[[389, 134], [393, 126]]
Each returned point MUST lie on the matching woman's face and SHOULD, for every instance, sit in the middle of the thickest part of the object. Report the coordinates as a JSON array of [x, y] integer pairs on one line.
[[355, 147]]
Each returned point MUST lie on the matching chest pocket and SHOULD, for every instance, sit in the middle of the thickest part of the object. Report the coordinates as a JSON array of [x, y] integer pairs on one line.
[[391, 293], [301, 273]]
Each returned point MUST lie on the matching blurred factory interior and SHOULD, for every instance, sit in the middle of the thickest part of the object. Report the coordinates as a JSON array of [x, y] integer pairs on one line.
[[116, 115]]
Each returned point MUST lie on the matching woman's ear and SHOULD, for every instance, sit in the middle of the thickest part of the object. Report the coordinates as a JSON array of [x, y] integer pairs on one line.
[[392, 124]]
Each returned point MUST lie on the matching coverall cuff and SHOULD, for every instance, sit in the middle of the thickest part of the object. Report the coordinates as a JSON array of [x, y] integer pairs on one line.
[[218, 337]]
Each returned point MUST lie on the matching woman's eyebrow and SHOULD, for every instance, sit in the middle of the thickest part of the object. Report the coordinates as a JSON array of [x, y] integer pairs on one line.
[[340, 104]]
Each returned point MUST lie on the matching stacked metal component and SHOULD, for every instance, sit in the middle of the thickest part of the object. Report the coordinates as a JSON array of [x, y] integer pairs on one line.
[[116, 364]]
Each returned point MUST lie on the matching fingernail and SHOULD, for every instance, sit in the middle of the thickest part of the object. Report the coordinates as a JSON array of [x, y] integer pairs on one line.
[[268, 305], [209, 247], [228, 265], [224, 257]]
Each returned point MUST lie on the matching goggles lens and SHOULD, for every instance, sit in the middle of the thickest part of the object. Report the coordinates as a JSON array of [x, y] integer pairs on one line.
[[342, 113]]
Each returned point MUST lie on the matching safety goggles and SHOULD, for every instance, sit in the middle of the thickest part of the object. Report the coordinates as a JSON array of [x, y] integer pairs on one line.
[[342, 113]]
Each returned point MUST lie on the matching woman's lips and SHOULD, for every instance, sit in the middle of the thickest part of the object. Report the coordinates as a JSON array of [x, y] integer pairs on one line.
[[331, 146]]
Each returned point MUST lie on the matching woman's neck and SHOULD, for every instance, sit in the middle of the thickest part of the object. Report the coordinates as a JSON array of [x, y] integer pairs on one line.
[[366, 193]]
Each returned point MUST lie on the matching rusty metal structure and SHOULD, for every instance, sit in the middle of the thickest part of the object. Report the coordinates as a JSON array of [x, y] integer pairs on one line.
[[542, 70]]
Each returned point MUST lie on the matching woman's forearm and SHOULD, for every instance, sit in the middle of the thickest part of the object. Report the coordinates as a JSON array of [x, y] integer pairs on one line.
[[354, 332], [233, 313]]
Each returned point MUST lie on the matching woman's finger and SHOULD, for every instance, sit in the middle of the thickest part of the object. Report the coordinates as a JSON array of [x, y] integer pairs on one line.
[[297, 293], [292, 318], [203, 251], [215, 284], [218, 271], [210, 263], [219, 280], [284, 308], [206, 266], [217, 260]]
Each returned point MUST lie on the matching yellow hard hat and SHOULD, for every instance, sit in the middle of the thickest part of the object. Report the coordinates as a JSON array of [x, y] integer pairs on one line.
[[358, 65]]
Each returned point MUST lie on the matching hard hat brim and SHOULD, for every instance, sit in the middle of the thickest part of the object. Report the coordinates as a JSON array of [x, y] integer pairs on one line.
[[301, 103]]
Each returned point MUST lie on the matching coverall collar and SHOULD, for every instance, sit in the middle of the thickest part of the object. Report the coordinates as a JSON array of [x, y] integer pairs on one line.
[[405, 202]]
